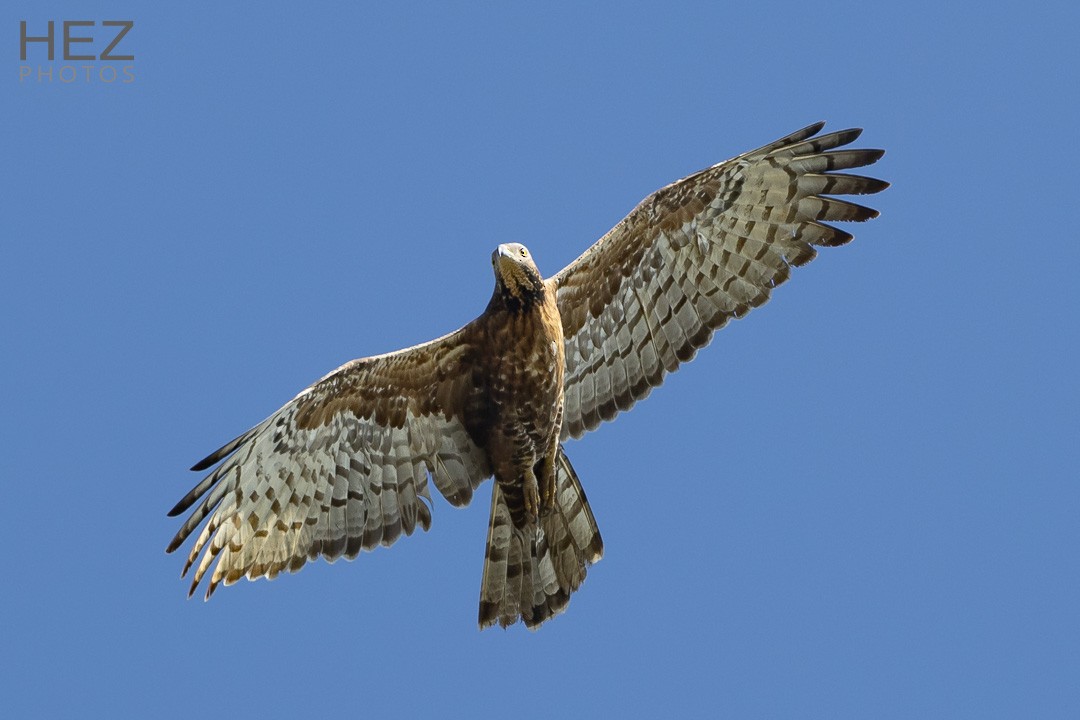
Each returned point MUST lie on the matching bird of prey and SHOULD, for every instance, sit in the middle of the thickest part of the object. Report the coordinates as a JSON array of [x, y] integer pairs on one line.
[[345, 465]]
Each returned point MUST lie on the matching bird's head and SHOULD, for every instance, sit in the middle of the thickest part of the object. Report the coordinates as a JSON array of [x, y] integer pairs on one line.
[[517, 279]]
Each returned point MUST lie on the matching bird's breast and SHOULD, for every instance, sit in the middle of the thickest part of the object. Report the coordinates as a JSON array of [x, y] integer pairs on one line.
[[526, 376]]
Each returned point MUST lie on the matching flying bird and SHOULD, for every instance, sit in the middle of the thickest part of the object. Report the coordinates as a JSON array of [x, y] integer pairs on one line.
[[345, 466]]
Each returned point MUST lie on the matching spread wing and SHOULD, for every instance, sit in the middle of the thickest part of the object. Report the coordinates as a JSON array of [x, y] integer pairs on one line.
[[340, 468], [693, 255]]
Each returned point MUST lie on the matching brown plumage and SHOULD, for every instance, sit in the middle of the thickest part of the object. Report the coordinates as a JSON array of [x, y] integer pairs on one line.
[[343, 466]]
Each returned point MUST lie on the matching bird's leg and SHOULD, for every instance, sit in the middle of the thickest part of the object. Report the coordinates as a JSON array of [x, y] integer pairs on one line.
[[530, 493], [545, 470], [524, 461]]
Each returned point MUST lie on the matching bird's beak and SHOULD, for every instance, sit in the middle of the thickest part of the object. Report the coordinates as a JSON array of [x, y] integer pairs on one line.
[[505, 259]]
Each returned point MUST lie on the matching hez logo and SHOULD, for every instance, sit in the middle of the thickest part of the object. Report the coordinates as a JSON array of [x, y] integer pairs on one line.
[[75, 43]]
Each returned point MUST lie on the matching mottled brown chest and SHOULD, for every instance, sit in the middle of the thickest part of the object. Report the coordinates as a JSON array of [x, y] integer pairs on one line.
[[526, 367]]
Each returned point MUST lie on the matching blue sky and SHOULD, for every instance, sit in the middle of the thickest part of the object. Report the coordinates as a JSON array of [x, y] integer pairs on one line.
[[860, 501]]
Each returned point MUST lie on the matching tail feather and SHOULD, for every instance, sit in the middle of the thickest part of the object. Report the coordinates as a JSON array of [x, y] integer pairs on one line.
[[530, 572]]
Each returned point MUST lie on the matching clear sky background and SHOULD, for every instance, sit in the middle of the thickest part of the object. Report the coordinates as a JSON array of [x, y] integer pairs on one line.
[[861, 501]]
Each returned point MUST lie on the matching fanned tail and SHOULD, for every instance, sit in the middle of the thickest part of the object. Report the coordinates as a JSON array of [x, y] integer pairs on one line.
[[530, 572]]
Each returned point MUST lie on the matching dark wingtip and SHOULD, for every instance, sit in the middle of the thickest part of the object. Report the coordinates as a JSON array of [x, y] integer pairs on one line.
[[848, 136], [872, 185], [226, 449], [176, 542], [874, 155], [205, 462]]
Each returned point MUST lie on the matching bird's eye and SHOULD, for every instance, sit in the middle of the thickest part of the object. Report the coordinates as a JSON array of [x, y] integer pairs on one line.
[[524, 252]]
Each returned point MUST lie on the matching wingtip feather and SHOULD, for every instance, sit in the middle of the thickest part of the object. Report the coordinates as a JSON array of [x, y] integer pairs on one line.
[[873, 155], [871, 186], [176, 542], [205, 462], [848, 136]]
